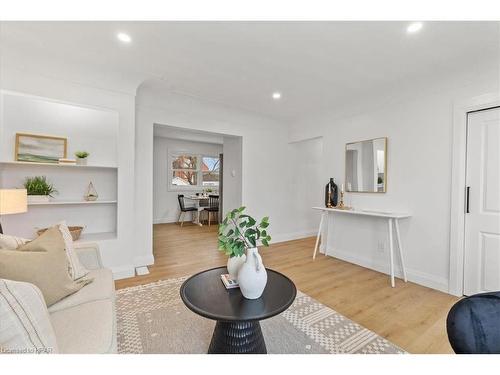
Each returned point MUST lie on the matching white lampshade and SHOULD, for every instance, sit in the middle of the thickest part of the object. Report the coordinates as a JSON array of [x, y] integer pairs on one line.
[[13, 201]]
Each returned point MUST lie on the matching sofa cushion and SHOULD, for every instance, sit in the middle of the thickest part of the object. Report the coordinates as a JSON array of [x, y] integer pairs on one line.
[[41, 262], [101, 288], [76, 269], [25, 326], [86, 328]]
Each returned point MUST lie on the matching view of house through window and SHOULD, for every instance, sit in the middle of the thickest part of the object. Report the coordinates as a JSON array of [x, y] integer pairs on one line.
[[194, 171], [210, 167], [185, 170]]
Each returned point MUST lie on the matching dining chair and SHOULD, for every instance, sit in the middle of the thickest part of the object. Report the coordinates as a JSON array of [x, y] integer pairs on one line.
[[213, 207], [184, 209]]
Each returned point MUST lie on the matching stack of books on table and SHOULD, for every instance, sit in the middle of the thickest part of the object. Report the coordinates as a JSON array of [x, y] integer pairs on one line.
[[229, 282], [67, 161]]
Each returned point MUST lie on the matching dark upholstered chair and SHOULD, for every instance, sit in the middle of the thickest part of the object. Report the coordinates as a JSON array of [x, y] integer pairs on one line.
[[473, 324], [213, 206], [184, 209]]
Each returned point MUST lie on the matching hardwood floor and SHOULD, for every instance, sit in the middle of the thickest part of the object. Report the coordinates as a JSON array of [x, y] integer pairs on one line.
[[411, 316]]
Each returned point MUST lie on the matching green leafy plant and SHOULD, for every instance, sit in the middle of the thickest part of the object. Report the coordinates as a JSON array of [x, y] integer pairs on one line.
[[239, 231], [39, 185], [81, 154]]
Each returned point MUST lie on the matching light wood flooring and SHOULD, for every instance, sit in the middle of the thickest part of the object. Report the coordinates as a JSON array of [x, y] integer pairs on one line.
[[409, 315]]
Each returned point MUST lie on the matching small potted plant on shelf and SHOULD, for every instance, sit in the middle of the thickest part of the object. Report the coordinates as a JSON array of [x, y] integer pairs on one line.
[[81, 157], [239, 234], [39, 189]]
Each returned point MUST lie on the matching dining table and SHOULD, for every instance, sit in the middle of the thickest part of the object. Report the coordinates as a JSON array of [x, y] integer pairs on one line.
[[198, 200]]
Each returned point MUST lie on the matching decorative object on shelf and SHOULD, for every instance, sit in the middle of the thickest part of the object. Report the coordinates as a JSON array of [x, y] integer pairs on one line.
[[39, 189], [81, 157], [91, 194], [238, 233], [40, 148], [12, 201], [331, 194], [75, 231], [67, 161], [341, 205]]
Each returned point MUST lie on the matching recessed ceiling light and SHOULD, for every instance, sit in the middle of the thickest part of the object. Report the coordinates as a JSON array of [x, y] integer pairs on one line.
[[276, 95], [125, 38], [414, 27]]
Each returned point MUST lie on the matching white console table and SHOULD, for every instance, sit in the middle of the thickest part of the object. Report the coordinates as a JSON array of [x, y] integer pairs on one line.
[[392, 220]]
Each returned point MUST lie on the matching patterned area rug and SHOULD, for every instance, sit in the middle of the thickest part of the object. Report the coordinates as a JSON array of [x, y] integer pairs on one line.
[[153, 319]]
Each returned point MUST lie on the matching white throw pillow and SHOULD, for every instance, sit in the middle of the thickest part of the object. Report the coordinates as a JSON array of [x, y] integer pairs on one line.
[[26, 326], [76, 269], [11, 242]]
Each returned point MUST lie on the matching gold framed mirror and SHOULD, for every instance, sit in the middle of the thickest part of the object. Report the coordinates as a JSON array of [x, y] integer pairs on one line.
[[366, 166]]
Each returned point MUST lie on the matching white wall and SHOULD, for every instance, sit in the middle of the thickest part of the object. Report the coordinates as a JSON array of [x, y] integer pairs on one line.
[[264, 157], [419, 131], [306, 184], [166, 207], [86, 129], [117, 254], [232, 183]]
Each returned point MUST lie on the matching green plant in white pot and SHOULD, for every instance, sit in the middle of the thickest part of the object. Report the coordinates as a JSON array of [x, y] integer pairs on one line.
[[239, 234], [81, 157], [39, 190]]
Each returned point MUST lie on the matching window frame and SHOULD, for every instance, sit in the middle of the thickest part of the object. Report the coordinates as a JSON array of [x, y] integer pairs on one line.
[[172, 155]]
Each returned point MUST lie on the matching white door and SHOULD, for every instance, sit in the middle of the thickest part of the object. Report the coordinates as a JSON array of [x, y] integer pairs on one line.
[[482, 218]]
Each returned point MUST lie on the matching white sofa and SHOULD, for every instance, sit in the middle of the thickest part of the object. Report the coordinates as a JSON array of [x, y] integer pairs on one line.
[[85, 322]]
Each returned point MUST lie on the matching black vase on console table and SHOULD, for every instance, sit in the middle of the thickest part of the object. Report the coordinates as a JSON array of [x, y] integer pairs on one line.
[[331, 193]]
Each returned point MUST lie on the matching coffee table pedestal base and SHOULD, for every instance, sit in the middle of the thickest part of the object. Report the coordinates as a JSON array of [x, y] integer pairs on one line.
[[243, 337]]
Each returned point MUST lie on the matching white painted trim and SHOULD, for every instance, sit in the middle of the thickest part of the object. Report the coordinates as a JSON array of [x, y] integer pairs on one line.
[[123, 272], [382, 265], [457, 219]]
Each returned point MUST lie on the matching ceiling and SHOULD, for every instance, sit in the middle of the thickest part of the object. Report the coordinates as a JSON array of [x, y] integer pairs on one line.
[[315, 65], [172, 132]]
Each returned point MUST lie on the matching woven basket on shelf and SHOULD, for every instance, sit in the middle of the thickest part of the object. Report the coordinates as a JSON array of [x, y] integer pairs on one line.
[[75, 232]]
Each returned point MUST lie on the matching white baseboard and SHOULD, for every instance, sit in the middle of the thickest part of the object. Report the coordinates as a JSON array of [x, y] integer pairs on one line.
[[293, 236], [123, 272], [418, 277], [164, 221]]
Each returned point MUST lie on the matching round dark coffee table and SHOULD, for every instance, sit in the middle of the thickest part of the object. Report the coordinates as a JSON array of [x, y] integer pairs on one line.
[[237, 330]]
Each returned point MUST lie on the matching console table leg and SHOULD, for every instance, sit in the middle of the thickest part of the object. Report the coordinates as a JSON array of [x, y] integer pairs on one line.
[[243, 337], [400, 247], [391, 251], [319, 235]]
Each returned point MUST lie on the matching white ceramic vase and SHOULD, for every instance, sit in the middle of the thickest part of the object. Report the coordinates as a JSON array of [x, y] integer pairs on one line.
[[81, 161], [252, 276], [234, 264], [38, 198]]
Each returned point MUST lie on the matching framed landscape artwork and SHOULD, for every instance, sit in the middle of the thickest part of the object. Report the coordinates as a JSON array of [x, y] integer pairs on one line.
[[40, 148]]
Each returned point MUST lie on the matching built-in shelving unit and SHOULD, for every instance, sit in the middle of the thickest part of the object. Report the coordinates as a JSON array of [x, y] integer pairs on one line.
[[86, 129], [71, 203], [38, 165]]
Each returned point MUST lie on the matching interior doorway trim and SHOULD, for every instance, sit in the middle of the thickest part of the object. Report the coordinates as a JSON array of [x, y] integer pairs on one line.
[[457, 217]]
